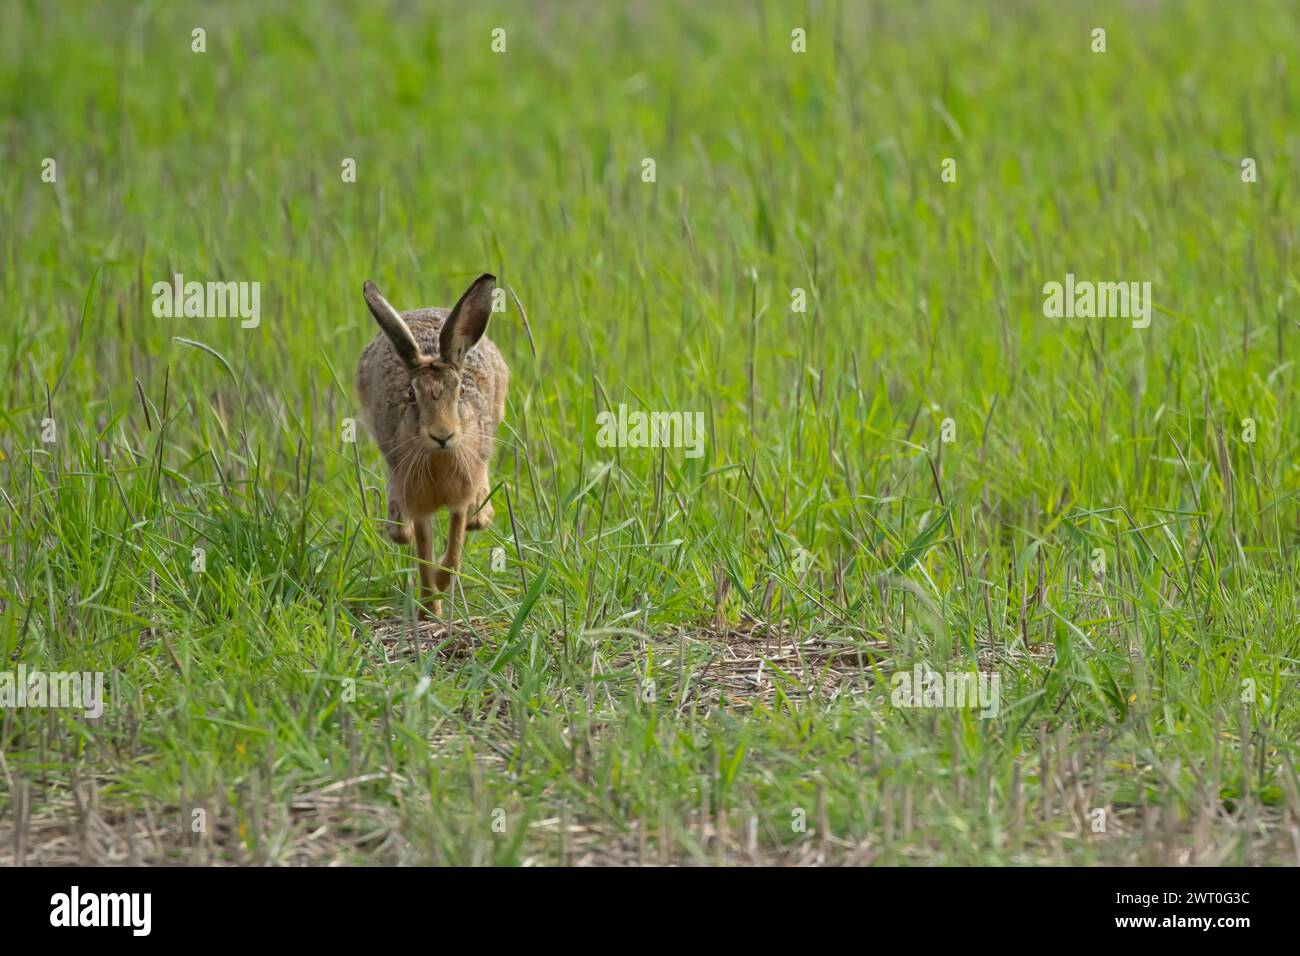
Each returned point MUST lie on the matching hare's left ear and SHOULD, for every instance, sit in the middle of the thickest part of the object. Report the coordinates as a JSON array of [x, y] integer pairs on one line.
[[468, 321]]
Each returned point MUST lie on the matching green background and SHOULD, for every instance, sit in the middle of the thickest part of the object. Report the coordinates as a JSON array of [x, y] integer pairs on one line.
[[684, 658]]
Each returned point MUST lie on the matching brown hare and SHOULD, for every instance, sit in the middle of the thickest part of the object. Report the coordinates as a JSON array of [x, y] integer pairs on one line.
[[433, 391]]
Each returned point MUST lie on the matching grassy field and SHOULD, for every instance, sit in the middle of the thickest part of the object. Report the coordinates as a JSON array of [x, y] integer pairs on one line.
[[671, 658]]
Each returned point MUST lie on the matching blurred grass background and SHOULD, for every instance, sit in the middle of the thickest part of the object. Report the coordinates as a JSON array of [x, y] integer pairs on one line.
[[657, 675]]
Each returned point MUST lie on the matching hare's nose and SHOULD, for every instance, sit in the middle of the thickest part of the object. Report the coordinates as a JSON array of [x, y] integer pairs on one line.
[[442, 442]]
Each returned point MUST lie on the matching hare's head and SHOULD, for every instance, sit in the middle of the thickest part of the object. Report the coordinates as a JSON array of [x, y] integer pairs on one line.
[[434, 388]]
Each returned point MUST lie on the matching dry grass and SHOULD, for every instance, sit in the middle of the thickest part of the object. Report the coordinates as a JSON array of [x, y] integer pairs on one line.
[[732, 670]]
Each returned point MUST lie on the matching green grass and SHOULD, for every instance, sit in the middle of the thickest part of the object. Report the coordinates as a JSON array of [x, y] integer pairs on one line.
[[656, 675]]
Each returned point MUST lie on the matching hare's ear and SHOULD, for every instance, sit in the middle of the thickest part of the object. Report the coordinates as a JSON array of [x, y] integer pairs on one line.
[[468, 321], [394, 326]]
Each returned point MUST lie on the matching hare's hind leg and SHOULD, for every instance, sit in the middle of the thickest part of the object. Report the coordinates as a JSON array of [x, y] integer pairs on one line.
[[450, 564], [424, 557]]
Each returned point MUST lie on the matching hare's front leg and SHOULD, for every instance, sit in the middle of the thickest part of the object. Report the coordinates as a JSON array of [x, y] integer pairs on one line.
[[450, 563], [480, 512], [399, 524], [424, 559]]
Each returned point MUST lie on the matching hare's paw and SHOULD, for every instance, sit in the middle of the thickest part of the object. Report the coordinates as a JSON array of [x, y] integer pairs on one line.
[[399, 528], [442, 579], [480, 519]]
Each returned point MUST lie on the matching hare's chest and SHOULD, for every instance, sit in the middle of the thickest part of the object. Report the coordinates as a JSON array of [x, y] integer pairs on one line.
[[437, 488]]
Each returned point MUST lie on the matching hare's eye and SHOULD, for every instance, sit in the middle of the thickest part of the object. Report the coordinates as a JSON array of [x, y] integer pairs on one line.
[[410, 393], [462, 392]]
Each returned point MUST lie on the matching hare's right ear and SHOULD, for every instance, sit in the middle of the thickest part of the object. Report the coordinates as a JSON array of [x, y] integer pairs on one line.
[[394, 326]]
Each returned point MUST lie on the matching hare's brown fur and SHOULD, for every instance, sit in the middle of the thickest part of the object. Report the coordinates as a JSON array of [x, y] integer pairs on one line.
[[412, 394]]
